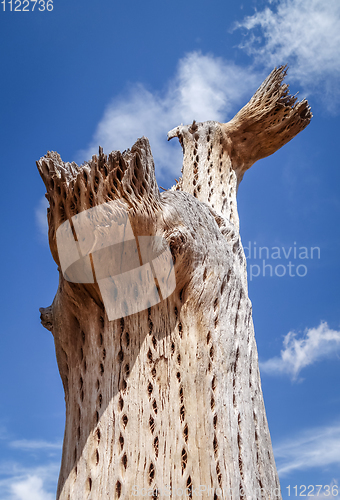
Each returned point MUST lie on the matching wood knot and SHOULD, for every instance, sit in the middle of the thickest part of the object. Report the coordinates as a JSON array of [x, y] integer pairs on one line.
[[193, 127], [46, 317]]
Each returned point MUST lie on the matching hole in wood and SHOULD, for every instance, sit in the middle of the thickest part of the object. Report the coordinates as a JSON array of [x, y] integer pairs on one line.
[[156, 446], [186, 433], [184, 459], [215, 421], [151, 424], [120, 403], [121, 442], [149, 320], [118, 489], [150, 388], [219, 475], [182, 413], [151, 472], [224, 282], [181, 395], [89, 484], [241, 492], [98, 434], [215, 445], [189, 487]]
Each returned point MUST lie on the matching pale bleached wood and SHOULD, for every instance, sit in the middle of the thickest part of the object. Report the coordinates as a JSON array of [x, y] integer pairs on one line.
[[169, 397]]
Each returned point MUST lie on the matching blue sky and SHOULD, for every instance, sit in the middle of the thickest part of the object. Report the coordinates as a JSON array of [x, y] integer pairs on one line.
[[86, 74]]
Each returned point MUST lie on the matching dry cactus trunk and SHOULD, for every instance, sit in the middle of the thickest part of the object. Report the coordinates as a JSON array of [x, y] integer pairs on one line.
[[167, 402]]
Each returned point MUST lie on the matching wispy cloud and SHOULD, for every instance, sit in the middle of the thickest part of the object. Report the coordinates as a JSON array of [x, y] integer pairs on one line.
[[33, 482], [27, 444], [316, 447], [314, 345], [23, 483], [205, 87], [31, 488], [41, 217], [303, 33]]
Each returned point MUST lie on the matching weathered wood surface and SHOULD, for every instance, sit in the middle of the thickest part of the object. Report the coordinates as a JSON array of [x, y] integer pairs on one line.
[[169, 399]]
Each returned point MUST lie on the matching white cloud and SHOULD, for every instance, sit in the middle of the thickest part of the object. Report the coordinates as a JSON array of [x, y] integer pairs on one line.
[[41, 217], [27, 444], [303, 33], [316, 344], [23, 483], [30, 489], [316, 447], [204, 88]]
